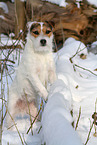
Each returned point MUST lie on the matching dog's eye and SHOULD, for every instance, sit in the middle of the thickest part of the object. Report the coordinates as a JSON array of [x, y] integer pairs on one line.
[[48, 31], [36, 32]]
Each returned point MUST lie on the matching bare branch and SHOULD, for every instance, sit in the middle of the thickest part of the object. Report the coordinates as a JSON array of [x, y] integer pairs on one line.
[[89, 134], [85, 69], [78, 119], [35, 117]]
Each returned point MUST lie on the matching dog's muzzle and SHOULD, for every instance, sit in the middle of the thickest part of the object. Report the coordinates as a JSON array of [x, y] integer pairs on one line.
[[43, 42]]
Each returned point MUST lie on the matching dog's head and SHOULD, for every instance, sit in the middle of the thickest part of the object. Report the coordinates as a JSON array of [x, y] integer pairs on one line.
[[41, 34]]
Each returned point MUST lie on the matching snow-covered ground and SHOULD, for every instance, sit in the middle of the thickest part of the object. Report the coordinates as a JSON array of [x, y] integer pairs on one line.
[[75, 87]]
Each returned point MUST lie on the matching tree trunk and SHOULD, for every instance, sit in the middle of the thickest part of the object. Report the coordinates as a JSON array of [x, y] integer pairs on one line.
[[20, 17]]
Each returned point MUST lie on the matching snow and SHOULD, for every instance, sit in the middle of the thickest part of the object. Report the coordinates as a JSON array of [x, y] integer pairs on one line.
[[93, 2], [59, 2], [13, 139], [2, 17], [93, 48], [84, 96], [11, 35], [85, 81], [95, 11], [7, 40], [12, 1], [94, 44], [74, 88], [64, 3], [4, 7], [56, 127], [23, 0]]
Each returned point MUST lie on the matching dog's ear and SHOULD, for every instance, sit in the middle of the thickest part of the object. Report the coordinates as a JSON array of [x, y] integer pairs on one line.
[[29, 24], [51, 23]]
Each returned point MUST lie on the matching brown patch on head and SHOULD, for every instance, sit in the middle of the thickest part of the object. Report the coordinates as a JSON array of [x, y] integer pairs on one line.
[[47, 29], [35, 29]]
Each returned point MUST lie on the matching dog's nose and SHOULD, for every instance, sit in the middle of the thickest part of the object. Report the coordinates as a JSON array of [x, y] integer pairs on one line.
[[43, 42]]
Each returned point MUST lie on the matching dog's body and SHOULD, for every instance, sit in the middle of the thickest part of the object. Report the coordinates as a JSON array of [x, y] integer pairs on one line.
[[36, 69]]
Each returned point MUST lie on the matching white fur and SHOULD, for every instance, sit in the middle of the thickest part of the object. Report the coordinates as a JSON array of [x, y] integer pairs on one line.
[[36, 69]]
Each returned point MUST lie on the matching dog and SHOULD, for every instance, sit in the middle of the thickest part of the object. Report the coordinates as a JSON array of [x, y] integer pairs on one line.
[[34, 72]]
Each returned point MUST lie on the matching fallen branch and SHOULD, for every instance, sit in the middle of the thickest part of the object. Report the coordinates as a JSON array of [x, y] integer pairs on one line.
[[85, 69]]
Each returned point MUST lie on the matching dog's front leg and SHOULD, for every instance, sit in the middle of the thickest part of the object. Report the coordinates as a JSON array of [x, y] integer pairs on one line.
[[52, 75], [38, 86]]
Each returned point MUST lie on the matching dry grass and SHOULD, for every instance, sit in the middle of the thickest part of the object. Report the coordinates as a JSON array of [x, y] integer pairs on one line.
[[6, 71]]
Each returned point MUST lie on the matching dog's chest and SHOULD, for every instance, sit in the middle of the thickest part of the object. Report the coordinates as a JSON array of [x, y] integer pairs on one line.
[[42, 67]]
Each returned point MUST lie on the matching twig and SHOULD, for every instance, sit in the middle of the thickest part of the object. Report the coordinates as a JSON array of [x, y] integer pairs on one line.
[[24, 139], [1, 123], [15, 126], [76, 53], [95, 118], [10, 47], [39, 129], [7, 60], [62, 30], [85, 69], [3, 99], [89, 134], [78, 119], [9, 75], [35, 117]]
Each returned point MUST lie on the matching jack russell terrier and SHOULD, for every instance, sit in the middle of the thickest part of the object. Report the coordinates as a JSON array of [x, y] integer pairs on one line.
[[35, 70]]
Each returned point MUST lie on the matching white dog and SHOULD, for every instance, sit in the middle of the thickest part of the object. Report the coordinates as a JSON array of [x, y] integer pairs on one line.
[[36, 69]]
